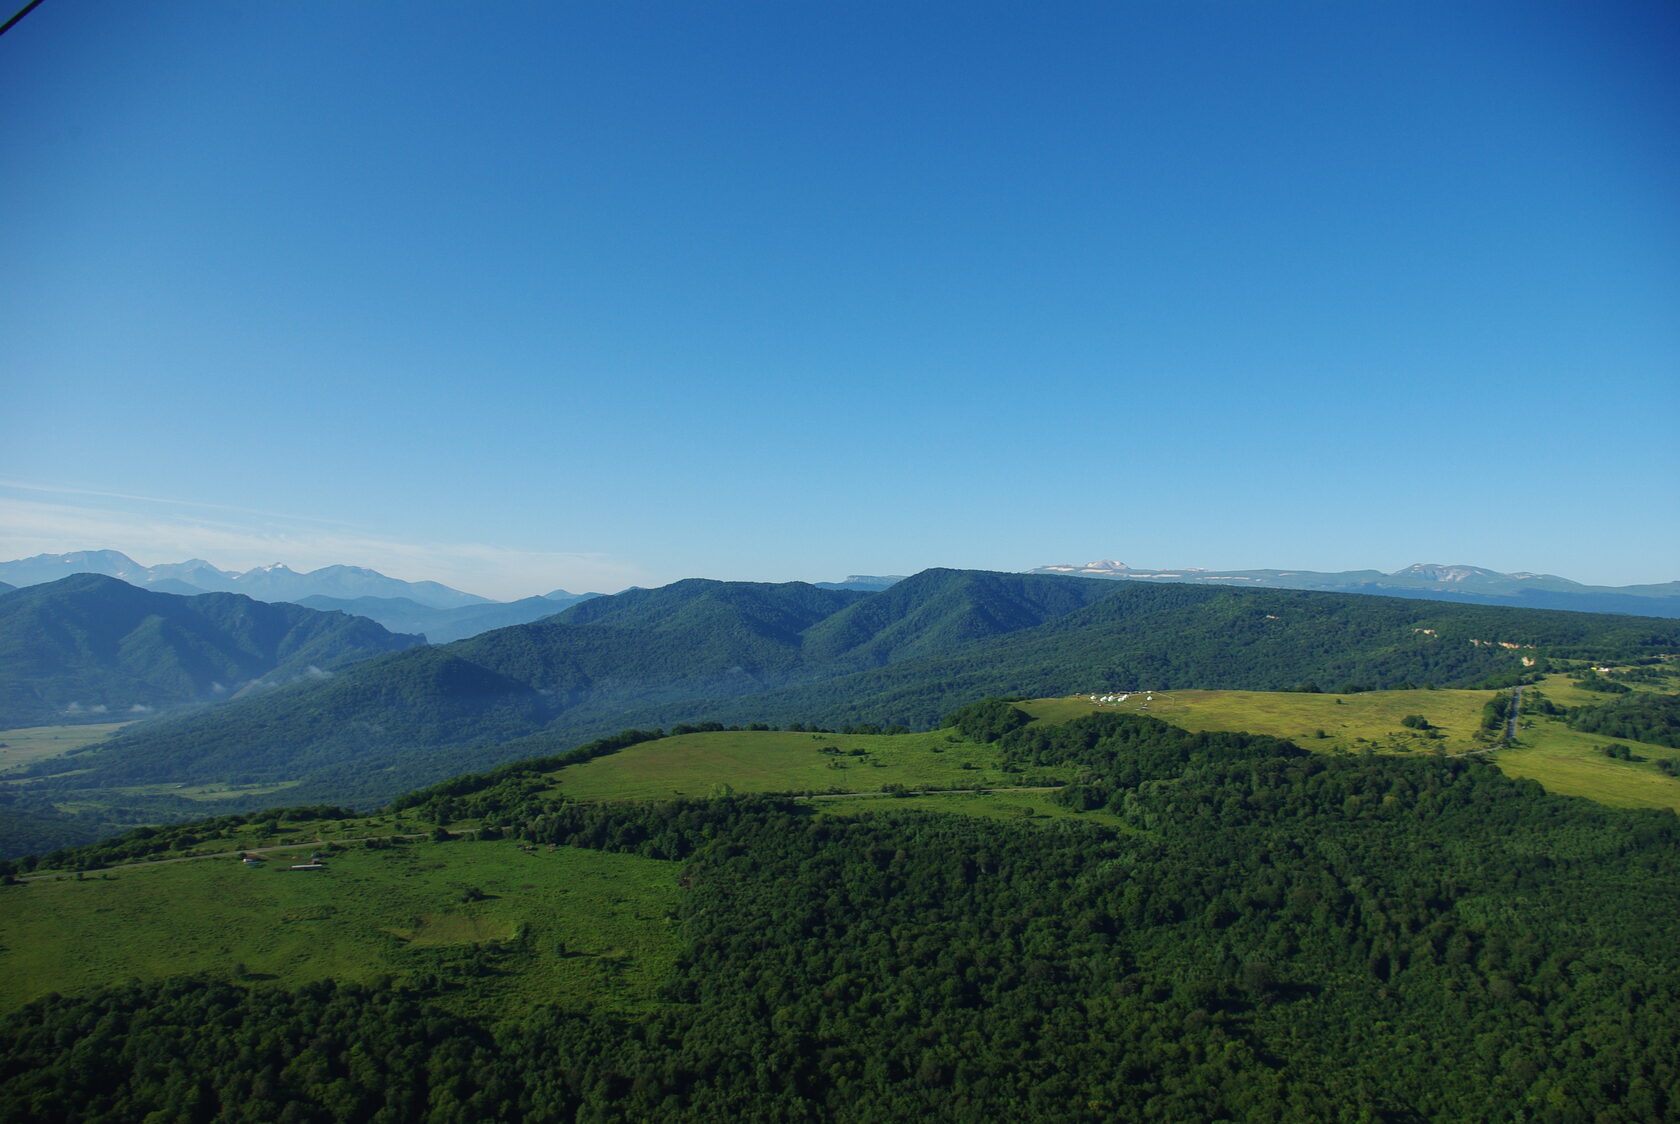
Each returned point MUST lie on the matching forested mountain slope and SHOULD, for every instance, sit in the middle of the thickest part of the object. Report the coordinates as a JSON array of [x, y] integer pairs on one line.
[[937, 610], [94, 648], [1179, 636], [700, 649], [440, 626]]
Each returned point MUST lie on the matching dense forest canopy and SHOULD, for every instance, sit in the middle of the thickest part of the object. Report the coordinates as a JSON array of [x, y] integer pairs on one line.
[[1231, 929], [1645, 717]]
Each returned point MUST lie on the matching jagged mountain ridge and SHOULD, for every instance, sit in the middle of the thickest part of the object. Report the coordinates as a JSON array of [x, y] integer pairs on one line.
[[90, 647], [276, 582]]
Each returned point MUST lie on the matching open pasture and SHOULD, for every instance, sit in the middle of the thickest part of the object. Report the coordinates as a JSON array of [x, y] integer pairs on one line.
[[1570, 763], [568, 925], [1350, 723], [205, 793], [30, 744], [1561, 689], [1564, 761], [699, 765]]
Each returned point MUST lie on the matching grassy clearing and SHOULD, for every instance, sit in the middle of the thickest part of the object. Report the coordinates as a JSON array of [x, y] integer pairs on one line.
[[207, 793], [439, 930], [1570, 762], [1350, 723], [1561, 689], [571, 926], [30, 744], [1563, 760], [696, 765], [302, 836]]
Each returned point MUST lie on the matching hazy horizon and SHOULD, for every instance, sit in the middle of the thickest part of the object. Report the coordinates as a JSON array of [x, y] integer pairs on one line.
[[497, 583]]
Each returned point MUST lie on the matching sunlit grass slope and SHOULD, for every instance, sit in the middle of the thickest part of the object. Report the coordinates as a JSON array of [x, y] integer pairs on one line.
[[696, 765], [37, 743], [569, 925], [1571, 762], [1565, 761], [1349, 723]]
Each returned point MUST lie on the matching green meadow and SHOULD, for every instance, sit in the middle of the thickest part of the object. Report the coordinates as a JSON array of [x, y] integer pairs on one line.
[[1349, 723], [571, 925], [698, 765], [760, 761], [1571, 762], [30, 744], [1561, 689], [205, 793], [1564, 761]]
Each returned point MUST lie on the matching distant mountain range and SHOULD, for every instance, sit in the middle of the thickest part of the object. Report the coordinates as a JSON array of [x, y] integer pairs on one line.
[[435, 612], [1467, 584], [869, 583], [265, 583], [744, 651], [440, 626], [95, 648]]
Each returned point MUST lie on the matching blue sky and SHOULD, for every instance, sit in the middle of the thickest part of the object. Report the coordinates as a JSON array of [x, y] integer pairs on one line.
[[525, 296]]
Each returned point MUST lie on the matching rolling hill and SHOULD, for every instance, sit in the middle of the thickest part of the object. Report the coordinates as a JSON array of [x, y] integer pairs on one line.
[[736, 651]]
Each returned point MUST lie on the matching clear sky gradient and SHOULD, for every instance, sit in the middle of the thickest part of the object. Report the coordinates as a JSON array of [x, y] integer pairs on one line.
[[525, 296]]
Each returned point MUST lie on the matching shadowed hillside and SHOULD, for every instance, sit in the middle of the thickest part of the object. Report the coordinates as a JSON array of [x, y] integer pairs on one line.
[[781, 653], [89, 647]]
